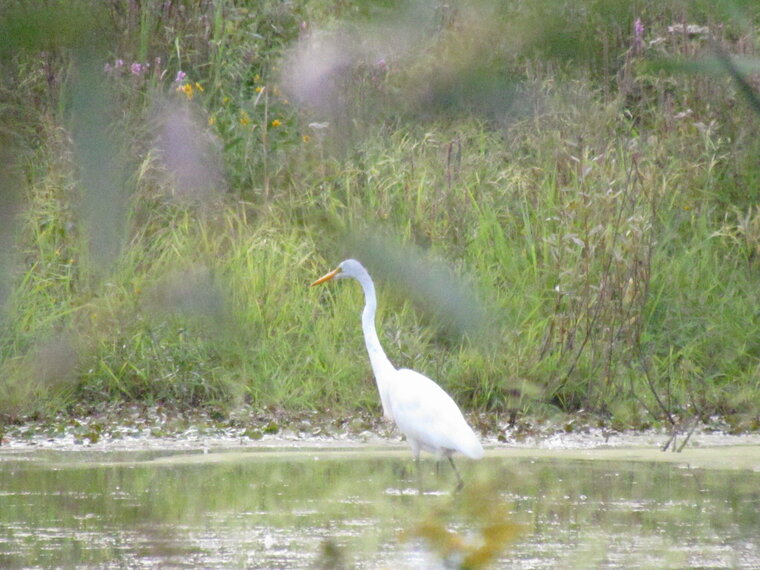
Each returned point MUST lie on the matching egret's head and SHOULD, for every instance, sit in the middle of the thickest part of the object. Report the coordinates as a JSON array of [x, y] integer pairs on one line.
[[347, 268]]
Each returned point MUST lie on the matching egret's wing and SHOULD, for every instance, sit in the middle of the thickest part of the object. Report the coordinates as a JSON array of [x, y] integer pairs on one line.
[[425, 413]]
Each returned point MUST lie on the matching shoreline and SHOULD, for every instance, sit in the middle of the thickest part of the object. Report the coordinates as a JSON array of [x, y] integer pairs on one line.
[[135, 427]]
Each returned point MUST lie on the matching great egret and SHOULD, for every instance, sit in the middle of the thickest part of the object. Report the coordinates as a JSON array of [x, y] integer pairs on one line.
[[421, 409]]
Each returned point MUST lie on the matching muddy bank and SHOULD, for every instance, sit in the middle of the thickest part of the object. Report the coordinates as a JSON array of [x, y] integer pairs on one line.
[[136, 427]]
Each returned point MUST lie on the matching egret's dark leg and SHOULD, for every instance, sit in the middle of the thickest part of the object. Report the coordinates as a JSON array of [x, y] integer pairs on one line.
[[460, 482]]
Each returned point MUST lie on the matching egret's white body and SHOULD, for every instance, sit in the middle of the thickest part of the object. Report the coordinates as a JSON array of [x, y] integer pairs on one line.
[[422, 410]]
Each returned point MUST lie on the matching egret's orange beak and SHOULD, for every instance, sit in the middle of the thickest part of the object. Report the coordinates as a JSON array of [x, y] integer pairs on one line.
[[326, 277]]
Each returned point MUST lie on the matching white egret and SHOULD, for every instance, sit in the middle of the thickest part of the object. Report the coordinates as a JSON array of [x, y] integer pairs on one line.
[[422, 410]]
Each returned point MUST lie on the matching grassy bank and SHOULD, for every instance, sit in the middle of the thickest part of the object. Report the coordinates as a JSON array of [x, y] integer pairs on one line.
[[581, 210]]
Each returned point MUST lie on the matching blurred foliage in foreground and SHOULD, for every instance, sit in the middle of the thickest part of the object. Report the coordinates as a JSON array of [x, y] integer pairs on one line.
[[559, 199]]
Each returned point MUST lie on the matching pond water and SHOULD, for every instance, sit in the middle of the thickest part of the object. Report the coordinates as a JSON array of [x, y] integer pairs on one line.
[[360, 507]]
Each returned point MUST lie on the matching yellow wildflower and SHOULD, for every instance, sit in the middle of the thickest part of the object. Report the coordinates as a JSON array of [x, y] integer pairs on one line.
[[306, 138], [187, 89], [245, 118], [225, 100], [211, 121], [199, 87], [259, 89], [276, 123]]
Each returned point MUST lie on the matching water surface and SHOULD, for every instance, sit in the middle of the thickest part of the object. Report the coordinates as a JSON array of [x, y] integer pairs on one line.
[[360, 507]]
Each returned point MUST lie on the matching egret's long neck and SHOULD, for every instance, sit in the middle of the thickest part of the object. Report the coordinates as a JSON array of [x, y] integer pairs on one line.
[[381, 366]]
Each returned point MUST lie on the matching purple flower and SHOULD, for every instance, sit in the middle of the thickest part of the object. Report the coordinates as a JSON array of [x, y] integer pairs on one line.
[[181, 76], [638, 36], [137, 68], [118, 63]]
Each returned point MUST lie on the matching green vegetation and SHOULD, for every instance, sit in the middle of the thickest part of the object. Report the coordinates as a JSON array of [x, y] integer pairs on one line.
[[175, 174]]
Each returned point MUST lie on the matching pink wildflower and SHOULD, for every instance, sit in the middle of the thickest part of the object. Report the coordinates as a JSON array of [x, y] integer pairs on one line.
[[638, 36]]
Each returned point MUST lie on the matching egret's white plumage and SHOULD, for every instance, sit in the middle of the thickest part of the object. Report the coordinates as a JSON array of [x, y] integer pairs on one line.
[[422, 410]]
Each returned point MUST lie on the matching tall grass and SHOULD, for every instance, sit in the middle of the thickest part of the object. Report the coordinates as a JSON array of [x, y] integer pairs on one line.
[[600, 210]]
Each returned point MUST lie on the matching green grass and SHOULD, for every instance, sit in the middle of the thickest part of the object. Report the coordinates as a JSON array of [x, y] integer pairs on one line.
[[590, 232]]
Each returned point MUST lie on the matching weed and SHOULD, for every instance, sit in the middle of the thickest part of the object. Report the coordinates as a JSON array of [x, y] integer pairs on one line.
[[179, 187]]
